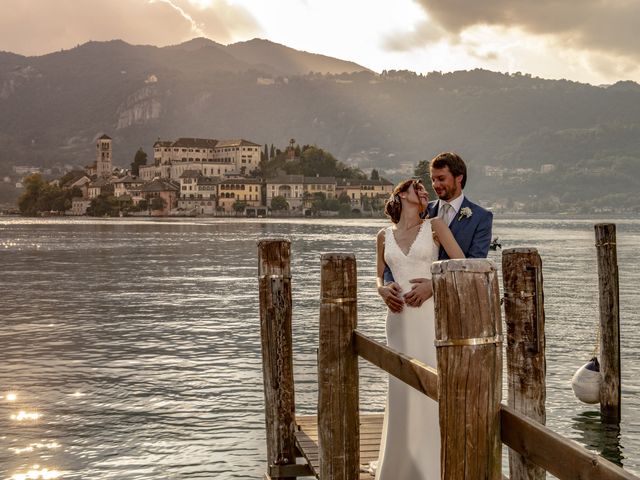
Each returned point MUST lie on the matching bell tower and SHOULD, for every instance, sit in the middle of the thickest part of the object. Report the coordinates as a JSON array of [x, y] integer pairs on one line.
[[104, 152]]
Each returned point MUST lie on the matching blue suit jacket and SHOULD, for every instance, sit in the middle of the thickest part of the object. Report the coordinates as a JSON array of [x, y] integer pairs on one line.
[[473, 233]]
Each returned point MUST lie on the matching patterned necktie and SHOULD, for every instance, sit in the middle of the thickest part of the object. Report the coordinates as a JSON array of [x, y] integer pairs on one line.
[[445, 213]]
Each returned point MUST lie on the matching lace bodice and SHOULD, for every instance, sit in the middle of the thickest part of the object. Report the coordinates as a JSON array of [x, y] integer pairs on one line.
[[417, 262]]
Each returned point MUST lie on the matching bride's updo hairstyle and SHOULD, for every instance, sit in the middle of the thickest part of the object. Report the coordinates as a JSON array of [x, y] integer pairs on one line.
[[393, 207]]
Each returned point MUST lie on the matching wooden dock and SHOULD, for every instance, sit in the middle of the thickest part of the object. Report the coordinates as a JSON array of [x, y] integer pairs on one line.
[[370, 435], [340, 442]]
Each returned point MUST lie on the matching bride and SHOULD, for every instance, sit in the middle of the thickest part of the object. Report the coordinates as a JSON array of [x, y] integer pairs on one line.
[[410, 446]]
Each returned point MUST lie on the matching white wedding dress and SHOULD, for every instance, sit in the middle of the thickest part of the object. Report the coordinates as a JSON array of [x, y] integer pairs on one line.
[[410, 445]]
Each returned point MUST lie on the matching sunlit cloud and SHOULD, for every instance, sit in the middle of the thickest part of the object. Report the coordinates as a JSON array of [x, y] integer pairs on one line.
[[35, 27], [194, 25], [602, 30]]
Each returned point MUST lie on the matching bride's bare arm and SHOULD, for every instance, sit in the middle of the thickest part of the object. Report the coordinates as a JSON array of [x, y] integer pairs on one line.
[[446, 238], [380, 259], [390, 293]]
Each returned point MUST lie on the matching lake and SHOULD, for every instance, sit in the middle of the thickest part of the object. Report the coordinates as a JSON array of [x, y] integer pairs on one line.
[[131, 347]]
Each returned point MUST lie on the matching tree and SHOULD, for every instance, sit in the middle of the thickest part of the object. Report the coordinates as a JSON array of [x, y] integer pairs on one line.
[[39, 196], [104, 205], [279, 203], [265, 154], [34, 188], [375, 175], [344, 210], [344, 198], [139, 160]]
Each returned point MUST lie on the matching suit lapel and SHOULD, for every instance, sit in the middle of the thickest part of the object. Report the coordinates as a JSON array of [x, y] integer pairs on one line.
[[457, 225], [432, 208]]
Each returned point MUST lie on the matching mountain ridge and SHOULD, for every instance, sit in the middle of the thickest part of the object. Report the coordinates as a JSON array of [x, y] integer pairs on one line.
[[53, 106]]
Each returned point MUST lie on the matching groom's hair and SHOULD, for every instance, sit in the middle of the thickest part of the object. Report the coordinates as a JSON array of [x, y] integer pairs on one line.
[[455, 163]]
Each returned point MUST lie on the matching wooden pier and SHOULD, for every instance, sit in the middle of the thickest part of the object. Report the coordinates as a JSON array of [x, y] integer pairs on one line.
[[339, 443], [370, 434]]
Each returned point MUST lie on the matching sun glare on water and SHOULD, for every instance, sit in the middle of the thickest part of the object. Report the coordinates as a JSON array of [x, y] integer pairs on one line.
[[10, 397], [37, 473], [22, 416], [35, 446]]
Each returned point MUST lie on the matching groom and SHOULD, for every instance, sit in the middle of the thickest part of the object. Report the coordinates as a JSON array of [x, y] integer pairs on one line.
[[469, 223]]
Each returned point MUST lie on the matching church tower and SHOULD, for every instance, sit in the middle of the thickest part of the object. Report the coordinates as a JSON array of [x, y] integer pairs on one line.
[[104, 152]]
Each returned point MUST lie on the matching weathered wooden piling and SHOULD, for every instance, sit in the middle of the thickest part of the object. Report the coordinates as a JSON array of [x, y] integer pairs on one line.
[[526, 363], [469, 343], [609, 321], [338, 414], [274, 276]]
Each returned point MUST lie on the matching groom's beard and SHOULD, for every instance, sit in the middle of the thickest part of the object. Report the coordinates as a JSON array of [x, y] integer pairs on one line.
[[447, 193]]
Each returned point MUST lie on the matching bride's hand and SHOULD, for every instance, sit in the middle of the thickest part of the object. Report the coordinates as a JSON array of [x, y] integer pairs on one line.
[[391, 294], [421, 291]]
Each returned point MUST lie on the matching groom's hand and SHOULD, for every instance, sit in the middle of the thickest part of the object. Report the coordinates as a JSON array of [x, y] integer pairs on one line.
[[390, 293], [421, 291]]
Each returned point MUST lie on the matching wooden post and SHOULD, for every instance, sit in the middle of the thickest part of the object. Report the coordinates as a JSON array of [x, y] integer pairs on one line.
[[526, 363], [469, 342], [338, 416], [609, 321], [274, 276]]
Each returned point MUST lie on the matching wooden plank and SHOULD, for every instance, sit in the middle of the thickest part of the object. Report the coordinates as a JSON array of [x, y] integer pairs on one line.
[[559, 456], [411, 371], [608, 289], [526, 363], [307, 441], [290, 471]]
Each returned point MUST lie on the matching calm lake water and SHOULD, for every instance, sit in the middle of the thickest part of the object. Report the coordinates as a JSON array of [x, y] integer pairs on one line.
[[130, 349]]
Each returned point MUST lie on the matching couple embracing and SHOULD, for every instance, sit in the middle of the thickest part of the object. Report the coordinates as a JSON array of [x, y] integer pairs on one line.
[[421, 233]]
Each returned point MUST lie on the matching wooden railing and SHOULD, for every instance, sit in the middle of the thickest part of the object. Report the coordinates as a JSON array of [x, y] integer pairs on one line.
[[468, 336]]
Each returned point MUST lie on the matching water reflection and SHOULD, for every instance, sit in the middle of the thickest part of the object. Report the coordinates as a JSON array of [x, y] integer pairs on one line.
[[154, 368], [10, 397], [598, 435], [22, 416], [37, 473]]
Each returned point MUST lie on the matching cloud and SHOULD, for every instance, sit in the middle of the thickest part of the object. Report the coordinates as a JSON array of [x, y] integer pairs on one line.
[[594, 25], [35, 27], [424, 32]]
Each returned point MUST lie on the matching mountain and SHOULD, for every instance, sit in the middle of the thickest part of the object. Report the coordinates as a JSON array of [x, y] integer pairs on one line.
[[52, 107], [264, 53]]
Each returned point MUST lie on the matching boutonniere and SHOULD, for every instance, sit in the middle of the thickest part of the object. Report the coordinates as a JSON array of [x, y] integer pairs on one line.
[[465, 213]]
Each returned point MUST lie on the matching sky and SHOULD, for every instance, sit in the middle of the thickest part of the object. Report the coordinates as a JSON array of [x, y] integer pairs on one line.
[[592, 41]]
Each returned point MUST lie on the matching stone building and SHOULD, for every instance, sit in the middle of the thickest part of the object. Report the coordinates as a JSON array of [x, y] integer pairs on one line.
[[291, 187], [238, 189], [166, 190], [208, 156], [363, 193], [104, 157]]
